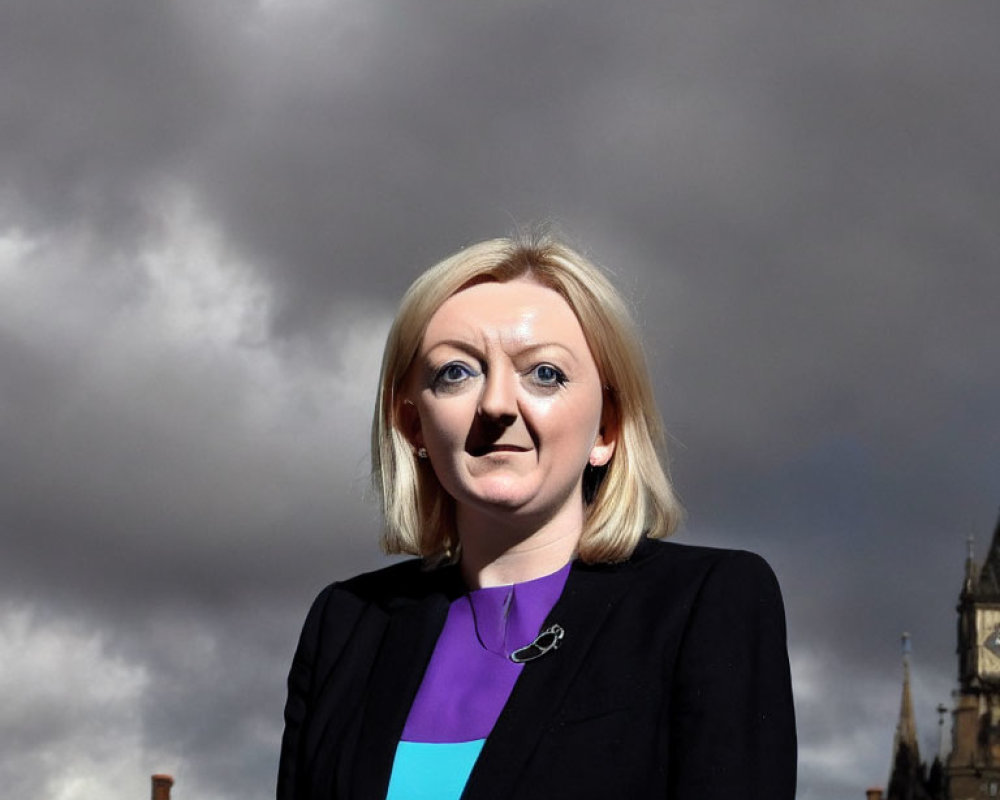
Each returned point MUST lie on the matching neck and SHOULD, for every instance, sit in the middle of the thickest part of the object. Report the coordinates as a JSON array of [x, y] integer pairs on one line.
[[499, 550]]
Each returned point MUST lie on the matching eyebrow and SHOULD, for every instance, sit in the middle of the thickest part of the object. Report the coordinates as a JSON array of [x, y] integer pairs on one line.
[[474, 350]]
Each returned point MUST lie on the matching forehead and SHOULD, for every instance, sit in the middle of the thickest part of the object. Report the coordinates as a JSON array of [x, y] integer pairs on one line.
[[518, 311]]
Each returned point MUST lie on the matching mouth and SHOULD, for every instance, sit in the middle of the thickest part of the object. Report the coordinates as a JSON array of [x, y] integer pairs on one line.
[[489, 449]]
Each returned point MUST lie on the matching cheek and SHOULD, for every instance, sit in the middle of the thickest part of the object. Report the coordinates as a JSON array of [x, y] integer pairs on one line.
[[571, 424], [444, 421]]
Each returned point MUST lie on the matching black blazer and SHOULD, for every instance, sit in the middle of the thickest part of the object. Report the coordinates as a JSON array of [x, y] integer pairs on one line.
[[671, 682]]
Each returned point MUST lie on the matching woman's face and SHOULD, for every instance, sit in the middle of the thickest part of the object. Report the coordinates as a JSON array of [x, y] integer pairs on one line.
[[506, 398]]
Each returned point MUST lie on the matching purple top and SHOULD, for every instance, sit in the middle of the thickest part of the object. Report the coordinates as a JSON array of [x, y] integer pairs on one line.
[[470, 675]]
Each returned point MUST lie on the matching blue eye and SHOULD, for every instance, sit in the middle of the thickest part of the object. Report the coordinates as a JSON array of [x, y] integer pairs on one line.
[[453, 373], [547, 375]]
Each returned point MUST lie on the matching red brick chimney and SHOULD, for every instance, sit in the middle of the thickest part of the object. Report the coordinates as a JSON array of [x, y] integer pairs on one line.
[[875, 793], [161, 787]]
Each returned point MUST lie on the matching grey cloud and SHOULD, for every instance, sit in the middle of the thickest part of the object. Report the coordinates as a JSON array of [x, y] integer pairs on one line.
[[800, 202]]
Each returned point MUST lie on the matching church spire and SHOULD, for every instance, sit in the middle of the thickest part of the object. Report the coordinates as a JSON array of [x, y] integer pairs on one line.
[[971, 569], [989, 576], [906, 728], [907, 776]]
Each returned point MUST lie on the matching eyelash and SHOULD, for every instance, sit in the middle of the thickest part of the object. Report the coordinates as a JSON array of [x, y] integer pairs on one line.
[[440, 379], [557, 378]]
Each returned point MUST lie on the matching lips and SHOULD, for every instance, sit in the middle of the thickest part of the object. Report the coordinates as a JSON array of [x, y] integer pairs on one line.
[[487, 449]]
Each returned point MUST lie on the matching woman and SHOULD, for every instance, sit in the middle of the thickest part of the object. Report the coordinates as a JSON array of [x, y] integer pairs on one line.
[[543, 645]]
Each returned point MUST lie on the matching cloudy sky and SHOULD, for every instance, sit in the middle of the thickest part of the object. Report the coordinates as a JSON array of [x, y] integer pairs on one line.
[[208, 211]]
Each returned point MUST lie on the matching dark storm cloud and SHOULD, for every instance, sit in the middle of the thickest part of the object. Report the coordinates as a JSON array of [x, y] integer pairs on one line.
[[100, 99], [210, 209], [157, 468]]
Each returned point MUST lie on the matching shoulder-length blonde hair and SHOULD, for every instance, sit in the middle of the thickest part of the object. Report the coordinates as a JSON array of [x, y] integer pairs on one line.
[[627, 498]]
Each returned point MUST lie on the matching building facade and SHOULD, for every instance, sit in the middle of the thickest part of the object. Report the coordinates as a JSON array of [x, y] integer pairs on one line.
[[972, 769]]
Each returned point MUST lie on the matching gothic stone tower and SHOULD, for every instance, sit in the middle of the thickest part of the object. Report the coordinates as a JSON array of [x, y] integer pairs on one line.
[[974, 764]]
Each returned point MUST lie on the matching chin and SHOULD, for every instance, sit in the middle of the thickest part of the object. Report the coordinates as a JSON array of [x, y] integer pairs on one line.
[[498, 494], [507, 500]]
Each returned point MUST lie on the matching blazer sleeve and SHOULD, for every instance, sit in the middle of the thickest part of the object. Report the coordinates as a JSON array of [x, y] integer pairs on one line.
[[733, 722], [301, 679]]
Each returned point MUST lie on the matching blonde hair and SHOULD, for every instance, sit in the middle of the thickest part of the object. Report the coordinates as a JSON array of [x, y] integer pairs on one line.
[[629, 497]]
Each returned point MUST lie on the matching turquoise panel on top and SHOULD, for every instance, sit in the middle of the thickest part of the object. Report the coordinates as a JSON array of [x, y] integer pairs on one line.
[[432, 771]]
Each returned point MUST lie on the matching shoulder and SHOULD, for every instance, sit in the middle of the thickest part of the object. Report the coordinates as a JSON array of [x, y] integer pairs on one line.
[[402, 583], [722, 590], [706, 581], [672, 586], [340, 609], [656, 560], [409, 578]]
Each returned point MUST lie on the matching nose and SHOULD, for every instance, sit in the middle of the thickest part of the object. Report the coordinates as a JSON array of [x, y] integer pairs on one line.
[[498, 401]]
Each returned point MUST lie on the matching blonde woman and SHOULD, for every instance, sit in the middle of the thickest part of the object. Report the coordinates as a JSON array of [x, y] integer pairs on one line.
[[542, 643]]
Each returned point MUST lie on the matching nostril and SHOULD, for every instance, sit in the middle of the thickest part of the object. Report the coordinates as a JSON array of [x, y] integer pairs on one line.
[[501, 419]]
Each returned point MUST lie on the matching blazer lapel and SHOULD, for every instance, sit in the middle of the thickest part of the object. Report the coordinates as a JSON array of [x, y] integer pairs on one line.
[[406, 649], [589, 595]]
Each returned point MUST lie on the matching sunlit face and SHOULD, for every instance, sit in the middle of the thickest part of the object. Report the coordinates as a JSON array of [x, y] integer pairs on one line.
[[507, 400]]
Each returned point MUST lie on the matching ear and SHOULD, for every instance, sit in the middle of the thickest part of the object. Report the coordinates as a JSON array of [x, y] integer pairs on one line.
[[607, 435], [408, 422]]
